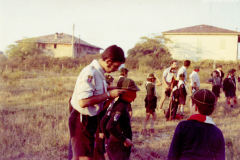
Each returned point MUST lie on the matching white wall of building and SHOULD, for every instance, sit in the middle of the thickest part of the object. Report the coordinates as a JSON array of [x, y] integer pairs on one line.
[[197, 47]]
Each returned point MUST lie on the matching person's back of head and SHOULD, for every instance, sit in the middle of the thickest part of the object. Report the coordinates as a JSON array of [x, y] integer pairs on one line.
[[187, 63], [114, 53], [204, 100], [124, 72]]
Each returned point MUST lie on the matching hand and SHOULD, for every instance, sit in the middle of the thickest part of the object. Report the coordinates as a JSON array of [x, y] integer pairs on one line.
[[128, 143], [101, 135], [116, 92], [167, 87]]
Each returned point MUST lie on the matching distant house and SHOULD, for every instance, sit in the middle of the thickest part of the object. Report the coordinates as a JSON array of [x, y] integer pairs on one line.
[[203, 42], [60, 45]]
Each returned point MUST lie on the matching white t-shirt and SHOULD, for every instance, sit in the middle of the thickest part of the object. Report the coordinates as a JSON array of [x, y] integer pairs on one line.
[[182, 70], [194, 78], [90, 82], [168, 76]]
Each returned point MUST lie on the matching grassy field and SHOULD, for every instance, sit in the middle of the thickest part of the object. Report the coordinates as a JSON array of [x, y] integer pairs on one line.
[[34, 119]]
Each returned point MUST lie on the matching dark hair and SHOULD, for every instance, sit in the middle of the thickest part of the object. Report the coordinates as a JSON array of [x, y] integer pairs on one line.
[[151, 79], [173, 61], [203, 108], [182, 76], [219, 66], [114, 53], [187, 63]]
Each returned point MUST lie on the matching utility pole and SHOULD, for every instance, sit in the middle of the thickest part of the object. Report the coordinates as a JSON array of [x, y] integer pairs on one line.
[[73, 43]]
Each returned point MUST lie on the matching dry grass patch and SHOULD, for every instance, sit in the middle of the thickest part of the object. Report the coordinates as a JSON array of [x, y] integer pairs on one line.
[[34, 119]]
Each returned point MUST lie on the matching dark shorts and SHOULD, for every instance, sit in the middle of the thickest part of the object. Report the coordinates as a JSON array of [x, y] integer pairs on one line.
[[150, 104], [117, 151], [230, 93], [82, 134], [182, 100], [216, 90]]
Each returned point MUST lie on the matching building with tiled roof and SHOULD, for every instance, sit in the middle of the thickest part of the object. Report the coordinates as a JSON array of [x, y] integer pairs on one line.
[[60, 45], [203, 42]]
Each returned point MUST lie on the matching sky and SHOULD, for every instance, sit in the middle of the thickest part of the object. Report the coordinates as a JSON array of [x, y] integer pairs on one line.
[[107, 22]]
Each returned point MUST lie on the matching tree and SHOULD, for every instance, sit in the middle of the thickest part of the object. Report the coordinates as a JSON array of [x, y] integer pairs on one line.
[[150, 51], [27, 47]]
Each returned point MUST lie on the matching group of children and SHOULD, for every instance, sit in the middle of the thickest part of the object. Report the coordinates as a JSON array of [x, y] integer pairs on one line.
[[114, 134], [228, 85]]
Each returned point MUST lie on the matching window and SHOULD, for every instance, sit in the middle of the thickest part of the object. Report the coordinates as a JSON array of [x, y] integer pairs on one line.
[[199, 46], [78, 50], [43, 46], [55, 46], [223, 44], [177, 43]]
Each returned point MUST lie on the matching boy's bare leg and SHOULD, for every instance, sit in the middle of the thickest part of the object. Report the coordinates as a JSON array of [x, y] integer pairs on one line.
[[181, 109], [146, 120], [163, 97], [153, 120]]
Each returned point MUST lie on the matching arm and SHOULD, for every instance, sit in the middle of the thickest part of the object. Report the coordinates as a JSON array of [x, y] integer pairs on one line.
[[221, 152], [103, 123], [209, 80], [99, 98], [175, 148], [112, 127], [164, 82], [158, 81], [112, 87], [165, 72], [195, 85]]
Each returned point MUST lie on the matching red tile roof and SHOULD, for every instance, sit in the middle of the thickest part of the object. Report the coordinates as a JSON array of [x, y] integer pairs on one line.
[[201, 29], [61, 39]]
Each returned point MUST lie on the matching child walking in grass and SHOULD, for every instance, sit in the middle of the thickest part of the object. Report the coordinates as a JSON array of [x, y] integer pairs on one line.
[[182, 93], [150, 102], [229, 88], [216, 84]]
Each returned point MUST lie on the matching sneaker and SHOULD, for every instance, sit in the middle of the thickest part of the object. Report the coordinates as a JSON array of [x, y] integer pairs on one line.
[[151, 131]]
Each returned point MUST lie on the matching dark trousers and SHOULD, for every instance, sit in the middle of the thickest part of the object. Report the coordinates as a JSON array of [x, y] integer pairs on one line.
[[117, 151], [174, 108]]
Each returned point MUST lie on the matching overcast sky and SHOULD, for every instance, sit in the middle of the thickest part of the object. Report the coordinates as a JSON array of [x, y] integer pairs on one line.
[[106, 22]]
